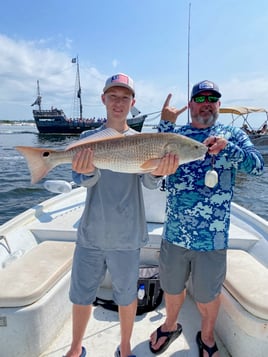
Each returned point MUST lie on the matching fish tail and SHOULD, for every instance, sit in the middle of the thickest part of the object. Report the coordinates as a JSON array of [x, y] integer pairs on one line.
[[37, 160]]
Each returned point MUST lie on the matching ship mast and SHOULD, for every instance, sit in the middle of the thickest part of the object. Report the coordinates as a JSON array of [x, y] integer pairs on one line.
[[79, 94], [38, 98], [188, 62]]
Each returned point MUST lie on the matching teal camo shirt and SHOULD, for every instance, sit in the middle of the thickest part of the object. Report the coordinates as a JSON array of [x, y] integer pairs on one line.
[[198, 217]]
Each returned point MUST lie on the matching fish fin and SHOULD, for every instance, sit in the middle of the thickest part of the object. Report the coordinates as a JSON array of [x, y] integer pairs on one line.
[[150, 165], [100, 136], [36, 160]]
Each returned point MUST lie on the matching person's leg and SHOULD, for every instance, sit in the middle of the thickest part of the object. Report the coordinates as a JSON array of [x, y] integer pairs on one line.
[[127, 316], [81, 315], [173, 304], [124, 269], [88, 271], [209, 313], [208, 274], [174, 272]]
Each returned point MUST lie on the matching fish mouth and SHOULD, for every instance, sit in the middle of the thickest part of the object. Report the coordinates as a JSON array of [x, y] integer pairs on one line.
[[201, 157]]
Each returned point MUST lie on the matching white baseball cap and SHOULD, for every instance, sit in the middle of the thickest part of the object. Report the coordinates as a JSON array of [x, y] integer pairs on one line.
[[119, 80]]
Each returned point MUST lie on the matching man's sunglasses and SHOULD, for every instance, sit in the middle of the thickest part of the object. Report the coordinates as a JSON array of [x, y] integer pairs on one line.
[[202, 99]]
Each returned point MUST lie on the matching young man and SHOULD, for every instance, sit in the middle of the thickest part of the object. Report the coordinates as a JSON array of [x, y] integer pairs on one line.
[[197, 222], [112, 228]]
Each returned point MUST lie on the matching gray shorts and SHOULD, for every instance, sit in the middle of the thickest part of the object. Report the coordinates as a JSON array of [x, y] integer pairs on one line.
[[89, 269], [208, 270]]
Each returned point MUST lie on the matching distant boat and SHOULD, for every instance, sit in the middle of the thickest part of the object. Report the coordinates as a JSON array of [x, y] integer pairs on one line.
[[55, 121], [259, 136]]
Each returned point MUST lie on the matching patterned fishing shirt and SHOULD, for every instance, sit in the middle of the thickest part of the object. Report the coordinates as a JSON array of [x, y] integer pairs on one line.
[[197, 216]]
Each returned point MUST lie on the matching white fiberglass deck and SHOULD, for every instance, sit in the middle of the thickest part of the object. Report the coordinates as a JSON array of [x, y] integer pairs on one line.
[[103, 334]]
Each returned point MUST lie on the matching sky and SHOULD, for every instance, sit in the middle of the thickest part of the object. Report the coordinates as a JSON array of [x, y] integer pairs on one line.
[[153, 41]]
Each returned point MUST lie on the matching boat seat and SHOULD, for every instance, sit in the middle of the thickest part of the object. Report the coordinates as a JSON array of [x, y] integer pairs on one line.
[[247, 281], [28, 278]]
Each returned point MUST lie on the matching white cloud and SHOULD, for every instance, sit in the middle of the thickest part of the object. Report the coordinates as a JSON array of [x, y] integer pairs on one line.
[[115, 63], [22, 63]]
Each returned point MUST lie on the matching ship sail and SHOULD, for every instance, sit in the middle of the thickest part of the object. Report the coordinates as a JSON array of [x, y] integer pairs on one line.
[[38, 98]]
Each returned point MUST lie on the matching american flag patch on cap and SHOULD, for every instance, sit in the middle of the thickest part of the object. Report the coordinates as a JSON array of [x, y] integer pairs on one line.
[[120, 80]]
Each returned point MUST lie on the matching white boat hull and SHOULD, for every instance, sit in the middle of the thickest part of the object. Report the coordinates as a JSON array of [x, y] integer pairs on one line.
[[243, 334], [44, 326]]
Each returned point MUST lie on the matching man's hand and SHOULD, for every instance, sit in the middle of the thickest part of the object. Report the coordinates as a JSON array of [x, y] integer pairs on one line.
[[215, 144], [167, 166], [171, 113], [83, 162]]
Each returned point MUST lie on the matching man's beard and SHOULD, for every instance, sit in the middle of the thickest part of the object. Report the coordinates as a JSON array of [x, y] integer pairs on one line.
[[207, 121]]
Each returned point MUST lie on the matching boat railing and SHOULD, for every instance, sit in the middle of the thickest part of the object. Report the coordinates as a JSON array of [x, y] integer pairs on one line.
[[48, 111], [243, 113]]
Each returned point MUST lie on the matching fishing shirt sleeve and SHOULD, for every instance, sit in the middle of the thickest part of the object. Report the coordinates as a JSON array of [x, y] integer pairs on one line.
[[90, 179], [151, 182], [243, 153], [239, 151], [86, 180]]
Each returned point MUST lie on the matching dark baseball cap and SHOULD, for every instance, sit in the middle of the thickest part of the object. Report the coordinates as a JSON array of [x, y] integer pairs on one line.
[[205, 86]]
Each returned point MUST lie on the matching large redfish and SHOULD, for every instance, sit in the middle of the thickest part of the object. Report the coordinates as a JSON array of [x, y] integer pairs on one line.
[[138, 153]]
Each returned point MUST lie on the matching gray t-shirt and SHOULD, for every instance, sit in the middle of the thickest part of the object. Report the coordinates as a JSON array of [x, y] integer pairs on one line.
[[114, 216]]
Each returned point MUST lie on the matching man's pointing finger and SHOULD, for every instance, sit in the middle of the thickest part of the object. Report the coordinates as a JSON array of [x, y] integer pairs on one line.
[[166, 103]]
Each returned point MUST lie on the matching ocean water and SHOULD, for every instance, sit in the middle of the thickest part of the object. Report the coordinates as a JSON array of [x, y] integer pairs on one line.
[[17, 193]]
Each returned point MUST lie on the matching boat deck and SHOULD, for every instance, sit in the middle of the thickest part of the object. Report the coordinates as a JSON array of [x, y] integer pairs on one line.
[[57, 220], [103, 334]]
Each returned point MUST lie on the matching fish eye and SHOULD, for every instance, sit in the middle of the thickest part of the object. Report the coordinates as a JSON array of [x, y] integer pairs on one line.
[[46, 154]]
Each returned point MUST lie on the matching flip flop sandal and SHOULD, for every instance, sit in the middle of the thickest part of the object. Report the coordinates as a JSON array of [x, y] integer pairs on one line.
[[171, 336], [202, 346], [118, 354], [83, 353]]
